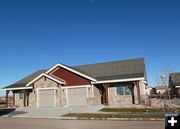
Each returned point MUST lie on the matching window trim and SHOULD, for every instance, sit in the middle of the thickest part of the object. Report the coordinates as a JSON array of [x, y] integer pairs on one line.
[[123, 85], [21, 93]]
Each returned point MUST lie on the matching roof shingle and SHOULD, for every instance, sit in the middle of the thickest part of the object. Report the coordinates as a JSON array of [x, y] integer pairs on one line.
[[24, 81], [123, 69], [114, 70], [175, 78]]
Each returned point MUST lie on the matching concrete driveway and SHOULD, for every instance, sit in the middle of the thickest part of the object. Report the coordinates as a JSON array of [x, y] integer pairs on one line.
[[50, 112]]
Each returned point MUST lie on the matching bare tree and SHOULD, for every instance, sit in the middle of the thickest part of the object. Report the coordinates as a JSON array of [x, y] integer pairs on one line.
[[158, 81], [163, 80], [166, 72]]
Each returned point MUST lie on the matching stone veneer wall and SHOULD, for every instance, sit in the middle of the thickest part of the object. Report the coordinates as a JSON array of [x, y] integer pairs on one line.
[[18, 102], [32, 99], [94, 97], [143, 92], [42, 83], [115, 99]]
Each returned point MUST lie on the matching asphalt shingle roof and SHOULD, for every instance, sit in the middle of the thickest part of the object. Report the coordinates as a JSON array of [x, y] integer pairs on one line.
[[175, 78], [114, 70], [123, 69], [24, 81]]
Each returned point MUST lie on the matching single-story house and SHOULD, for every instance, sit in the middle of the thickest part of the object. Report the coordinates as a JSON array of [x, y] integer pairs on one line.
[[161, 89], [174, 83], [110, 83], [148, 90]]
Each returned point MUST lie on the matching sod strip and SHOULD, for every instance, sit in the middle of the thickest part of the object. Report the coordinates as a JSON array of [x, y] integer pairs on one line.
[[91, 115], [136, 110]]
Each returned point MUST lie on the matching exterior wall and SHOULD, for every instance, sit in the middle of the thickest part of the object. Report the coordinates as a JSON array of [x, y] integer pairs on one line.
[[114, 98], [148, 90], [63, 98], [142, 87], [18, 102], [42, 83], [118, 99], [70, 78], [32, 99], [161, 91], [135, 95], [94, 96], [178, 92]]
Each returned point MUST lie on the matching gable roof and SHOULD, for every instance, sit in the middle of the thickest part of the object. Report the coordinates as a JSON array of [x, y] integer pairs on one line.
[[54, 78], [71, 70], [24, 81], [133, 68], [175, 77], [124, 69]]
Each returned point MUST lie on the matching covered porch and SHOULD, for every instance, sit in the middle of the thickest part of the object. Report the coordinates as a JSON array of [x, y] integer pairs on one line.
[[116, 93], [19, 97]]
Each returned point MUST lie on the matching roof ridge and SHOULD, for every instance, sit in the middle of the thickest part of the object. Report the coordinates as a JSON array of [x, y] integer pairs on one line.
[[109, 62]]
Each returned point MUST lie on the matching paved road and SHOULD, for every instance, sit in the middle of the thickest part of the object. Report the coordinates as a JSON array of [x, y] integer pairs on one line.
[[28, 123]]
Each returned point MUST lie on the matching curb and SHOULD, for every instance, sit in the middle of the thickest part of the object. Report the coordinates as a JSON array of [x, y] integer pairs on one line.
[[112, 119], [92, 118]]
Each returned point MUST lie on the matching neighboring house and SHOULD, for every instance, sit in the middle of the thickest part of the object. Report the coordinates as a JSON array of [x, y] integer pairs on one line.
[[174, 83], [161, 89], [148, 90], [118, 82]]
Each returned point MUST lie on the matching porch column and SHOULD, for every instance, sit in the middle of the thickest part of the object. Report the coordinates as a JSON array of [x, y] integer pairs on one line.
[[7, 92], [13, 98], [24, 91], [138, 92], [106, 86]]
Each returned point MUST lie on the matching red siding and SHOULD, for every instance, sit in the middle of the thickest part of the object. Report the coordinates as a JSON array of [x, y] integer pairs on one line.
[[70, 78]]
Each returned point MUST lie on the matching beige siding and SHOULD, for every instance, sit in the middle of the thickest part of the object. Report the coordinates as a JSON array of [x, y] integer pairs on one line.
[[63, 99]]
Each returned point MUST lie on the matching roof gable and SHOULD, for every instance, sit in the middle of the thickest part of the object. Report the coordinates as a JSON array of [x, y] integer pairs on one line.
[[71, 70]]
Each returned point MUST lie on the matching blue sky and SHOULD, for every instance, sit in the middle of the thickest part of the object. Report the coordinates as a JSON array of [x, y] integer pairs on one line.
[[36, 35]]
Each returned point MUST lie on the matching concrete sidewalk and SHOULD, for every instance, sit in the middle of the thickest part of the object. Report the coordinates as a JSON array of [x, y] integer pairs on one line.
[[58, 112]]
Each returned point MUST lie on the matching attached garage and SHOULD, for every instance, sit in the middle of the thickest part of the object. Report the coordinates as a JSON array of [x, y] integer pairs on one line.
[[46, 98], [77, 96]]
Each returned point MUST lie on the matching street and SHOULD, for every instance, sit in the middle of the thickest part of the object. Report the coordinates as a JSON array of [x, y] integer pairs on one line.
[[29, 123]]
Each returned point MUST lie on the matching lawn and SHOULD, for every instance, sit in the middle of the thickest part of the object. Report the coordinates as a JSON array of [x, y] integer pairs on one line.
[[93, 115], [137, 110]]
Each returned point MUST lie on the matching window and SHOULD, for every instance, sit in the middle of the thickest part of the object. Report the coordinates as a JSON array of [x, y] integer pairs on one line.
[[20, 95], [119, 90], [123, 89]]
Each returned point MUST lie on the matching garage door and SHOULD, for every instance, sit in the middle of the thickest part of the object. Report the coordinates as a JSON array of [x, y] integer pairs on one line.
[[46, 98], [77, 97]]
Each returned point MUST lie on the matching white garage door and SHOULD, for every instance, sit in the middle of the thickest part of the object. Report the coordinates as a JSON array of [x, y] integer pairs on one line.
[[77, 96], [46, 98]]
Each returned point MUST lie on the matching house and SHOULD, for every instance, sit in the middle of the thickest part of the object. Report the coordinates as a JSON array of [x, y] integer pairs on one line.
[[110, 83], [148, 90], [161, 89], [174, 83]]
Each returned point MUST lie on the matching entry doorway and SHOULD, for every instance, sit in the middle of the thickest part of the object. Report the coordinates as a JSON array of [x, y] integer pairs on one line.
[[103, 95]]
